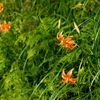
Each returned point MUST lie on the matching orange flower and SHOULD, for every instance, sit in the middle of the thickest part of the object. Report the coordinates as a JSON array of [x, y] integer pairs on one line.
[[76, 27], [1, 7], [67, 78], [67, 41], [5, 26]]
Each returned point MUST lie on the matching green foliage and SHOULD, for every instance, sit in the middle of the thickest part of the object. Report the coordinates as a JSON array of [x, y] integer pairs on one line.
[[31, 63]]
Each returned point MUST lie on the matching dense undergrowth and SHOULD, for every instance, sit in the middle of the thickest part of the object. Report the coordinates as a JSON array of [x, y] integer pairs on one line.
[[31, 63]]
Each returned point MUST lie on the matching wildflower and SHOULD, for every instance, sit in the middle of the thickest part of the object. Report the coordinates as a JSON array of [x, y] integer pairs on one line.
[[67, 78], [76, 27], [66, 42], [1, 7], [59, 24], [5, 26]]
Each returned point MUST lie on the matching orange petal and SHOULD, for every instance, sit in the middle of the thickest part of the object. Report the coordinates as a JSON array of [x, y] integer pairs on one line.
[[67, 40], [64, 76], [2, 27], [72, 47], [1, 7], [60, 37], [9, 23], [57, 35], [4, 22], [72, 80], [8, 26], [69, 74]]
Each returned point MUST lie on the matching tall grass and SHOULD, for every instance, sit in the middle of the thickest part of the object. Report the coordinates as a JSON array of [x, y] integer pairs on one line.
[[31, 63]]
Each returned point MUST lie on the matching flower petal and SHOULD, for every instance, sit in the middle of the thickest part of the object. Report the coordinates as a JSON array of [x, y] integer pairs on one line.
[[64, 76], [60, 37], [1, 7], [72, 80], [69, 74]]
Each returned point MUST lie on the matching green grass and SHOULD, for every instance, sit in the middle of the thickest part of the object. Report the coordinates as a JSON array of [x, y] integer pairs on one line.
[[31, 63]]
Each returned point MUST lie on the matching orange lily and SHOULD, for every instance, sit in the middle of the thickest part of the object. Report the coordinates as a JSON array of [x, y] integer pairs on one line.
[[5, 26], [1, 7], [67, 41], [67, 78]]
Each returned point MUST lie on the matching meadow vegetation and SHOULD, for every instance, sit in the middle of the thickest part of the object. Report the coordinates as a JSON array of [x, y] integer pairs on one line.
[[31, 61]]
